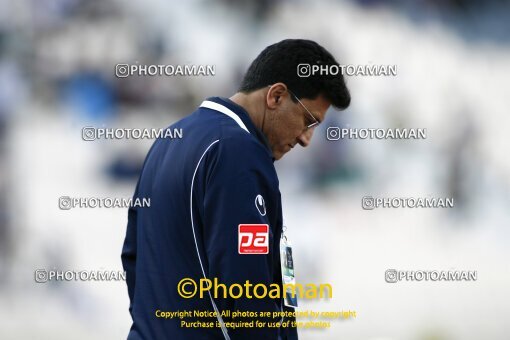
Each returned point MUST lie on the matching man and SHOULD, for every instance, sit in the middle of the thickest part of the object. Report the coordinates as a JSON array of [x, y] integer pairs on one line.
[[218, 176]]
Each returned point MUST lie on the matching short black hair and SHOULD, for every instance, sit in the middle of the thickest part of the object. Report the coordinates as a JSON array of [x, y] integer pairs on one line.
[[279, 63]]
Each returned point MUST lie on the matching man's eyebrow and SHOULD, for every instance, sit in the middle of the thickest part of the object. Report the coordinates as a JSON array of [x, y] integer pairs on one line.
[[315, 115]]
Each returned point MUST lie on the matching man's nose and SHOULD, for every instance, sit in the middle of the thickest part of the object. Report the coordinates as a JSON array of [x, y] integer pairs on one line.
[[305, 138]]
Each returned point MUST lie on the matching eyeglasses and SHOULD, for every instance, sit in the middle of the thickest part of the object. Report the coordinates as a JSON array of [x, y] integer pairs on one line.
[[315, 120]]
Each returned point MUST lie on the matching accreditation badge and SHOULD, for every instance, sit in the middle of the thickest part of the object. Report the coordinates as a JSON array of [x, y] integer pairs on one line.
[[287, 266]]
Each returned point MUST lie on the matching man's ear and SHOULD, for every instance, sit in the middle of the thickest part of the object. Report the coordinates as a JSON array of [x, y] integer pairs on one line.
[[274, 94]]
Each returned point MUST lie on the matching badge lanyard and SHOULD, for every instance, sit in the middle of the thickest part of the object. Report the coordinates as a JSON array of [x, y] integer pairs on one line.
[[287, 266]]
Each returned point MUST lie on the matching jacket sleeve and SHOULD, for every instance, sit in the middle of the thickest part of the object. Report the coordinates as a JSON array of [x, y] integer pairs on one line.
[[239, 172], [129, 249], [128, 255]]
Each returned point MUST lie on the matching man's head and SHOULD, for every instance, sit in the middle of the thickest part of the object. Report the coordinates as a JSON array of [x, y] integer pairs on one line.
[[291, 104]]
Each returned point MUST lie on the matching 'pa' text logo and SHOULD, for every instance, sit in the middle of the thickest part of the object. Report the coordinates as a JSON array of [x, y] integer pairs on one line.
[[253, 239]]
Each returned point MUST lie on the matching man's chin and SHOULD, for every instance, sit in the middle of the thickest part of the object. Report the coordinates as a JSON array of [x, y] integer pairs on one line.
[[279, 154], [281, 151]]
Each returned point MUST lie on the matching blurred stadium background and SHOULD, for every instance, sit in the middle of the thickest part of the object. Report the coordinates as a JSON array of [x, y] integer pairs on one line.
[[57, 60]]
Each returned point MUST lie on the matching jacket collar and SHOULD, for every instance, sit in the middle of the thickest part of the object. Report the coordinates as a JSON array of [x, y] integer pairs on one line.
[[245, 120]]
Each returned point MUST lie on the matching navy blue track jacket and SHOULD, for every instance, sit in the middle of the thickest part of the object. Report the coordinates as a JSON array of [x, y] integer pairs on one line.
[[201, 187]]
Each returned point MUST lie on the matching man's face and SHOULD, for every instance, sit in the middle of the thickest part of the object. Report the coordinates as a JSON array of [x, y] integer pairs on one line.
[[287, 121]]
